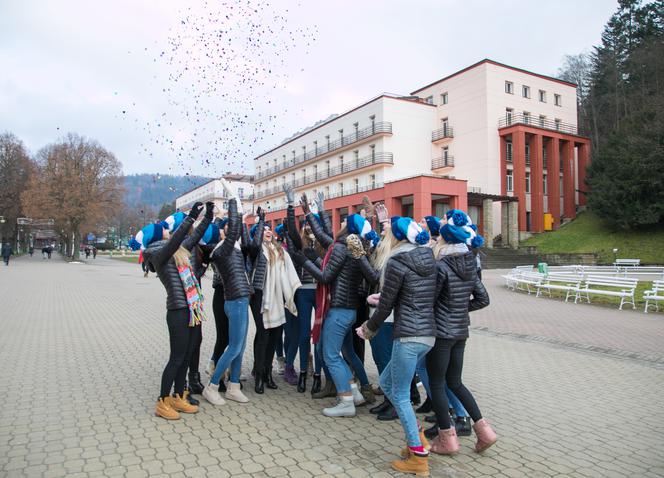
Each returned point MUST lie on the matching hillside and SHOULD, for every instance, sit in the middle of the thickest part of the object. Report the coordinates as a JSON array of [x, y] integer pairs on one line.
[[588, 233], [154, 190]]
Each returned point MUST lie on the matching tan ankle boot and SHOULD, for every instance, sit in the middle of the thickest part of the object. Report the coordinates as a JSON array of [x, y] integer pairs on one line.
[[235, 393], [165, 410], [485, 435], [415, 465], [181, 404], [446, 443]]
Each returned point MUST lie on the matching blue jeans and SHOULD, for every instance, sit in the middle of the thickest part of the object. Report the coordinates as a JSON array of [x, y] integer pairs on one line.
[[381, 346], [395, 382], [238, 323], [353, 359], [299, 329], [424, 375], [338, 323]]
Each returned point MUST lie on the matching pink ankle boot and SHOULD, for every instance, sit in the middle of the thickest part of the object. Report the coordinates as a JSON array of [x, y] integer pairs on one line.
[[446, 443], [485, 435]]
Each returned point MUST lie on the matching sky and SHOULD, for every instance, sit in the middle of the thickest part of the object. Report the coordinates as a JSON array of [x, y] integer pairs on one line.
[[201, 87]]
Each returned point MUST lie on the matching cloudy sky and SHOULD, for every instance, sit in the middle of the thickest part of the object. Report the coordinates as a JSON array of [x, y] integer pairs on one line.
[[195, 86]]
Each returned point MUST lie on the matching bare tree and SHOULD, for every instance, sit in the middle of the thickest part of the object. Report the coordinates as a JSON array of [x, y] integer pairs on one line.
[[15, 168]]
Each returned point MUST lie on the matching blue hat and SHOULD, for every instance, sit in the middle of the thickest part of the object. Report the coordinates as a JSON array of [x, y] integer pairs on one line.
[[221, 222], [279, 230], [211, 235], [433, 223], [254, 228], [172, 222], [356, 224], [303, 221], [146, 236], [405, 229], [460, 229]]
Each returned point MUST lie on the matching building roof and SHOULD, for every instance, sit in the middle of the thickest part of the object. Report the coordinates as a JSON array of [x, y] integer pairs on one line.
[[503, 65]]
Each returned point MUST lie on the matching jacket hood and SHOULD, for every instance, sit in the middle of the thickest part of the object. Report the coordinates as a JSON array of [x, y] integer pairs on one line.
[[463, 265], [419, 259]]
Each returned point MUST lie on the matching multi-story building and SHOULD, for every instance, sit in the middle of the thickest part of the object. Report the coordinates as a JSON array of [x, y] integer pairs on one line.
[[213, 190], [499, 141]]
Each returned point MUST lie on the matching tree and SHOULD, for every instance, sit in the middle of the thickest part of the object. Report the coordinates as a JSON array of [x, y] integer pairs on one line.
[[166, 210], [77, 182], [15, 167], [576, 69]]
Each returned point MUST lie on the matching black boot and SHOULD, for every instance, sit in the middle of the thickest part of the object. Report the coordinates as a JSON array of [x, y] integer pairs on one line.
[[463, 426], [388, 414], [315, 387], [259, 386], [269, 381], [426, 407], [414, 393], [188, 397], [431, 418], [195, 385], [302, 382], [381, 407], [432, 432], [222, 386]]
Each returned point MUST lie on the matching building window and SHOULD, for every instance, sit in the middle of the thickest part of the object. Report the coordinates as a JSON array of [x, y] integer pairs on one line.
[[356, 157], [508, 147], [527, 182], [542, 96], [510, 179], [341, 189], [527, 153], [429, 99], [542, 121], [525, 91], [557, 100], [341, 164], [315, 171], [240, 192], [327, 167], [327, 139], [443, 99], [372, 148], [372, 180], [357, 185], [283, 180], [544, 188], [509, 87], [446, 154], [327, 191], [526, 117], [446, 126], [557, 121], [508, 115], [372, 118]]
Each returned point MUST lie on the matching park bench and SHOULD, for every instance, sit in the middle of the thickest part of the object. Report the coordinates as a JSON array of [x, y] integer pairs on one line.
[[570, 283], [622, 263], [528, 281], [656, 295], [622, 287]]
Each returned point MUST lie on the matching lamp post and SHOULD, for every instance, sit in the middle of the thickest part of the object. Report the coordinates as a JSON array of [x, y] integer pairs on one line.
[[2, 229]]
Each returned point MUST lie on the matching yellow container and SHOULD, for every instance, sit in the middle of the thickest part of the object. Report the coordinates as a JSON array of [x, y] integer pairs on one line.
[[548, 221]]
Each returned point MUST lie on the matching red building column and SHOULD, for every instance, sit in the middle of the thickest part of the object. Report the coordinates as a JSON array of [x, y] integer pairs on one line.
[[536, 182], [336, 220], [421, 204], [519, 173], [503, 165], [584, 162], [393, 205], [553, 179], [569, 200]]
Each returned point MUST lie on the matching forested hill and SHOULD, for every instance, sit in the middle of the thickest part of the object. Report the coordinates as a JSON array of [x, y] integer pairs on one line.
[[154, 190]]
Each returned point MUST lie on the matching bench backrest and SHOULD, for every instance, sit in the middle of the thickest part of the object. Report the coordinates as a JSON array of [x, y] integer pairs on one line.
[[627, 262], [567, 278], [658, 285], [622, 283]]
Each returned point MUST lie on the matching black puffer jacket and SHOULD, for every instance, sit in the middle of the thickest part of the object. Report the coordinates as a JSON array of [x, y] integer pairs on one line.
[[159, 256], [257, 258], [409, 287], [302, 273], [457, 282], [200, 255], [322, 234], [342, 272], [229, 261]]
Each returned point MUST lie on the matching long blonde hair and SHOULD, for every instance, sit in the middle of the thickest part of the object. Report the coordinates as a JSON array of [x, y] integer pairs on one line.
[[181, 257], [383, 252], [274, 249]]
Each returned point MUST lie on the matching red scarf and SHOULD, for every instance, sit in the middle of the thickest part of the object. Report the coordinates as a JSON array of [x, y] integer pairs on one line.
[[322, 301]]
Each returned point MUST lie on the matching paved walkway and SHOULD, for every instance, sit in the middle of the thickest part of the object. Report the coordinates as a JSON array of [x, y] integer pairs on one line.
[[83, 345]]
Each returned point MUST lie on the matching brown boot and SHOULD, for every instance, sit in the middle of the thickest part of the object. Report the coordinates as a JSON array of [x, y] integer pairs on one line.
[[414, 464], [446, 443], [329, 390], [485, 435], [165, 410], [182, 405], [367, 393]]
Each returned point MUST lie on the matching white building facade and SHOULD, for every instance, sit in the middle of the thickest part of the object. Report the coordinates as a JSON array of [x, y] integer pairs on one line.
[[242, 185]]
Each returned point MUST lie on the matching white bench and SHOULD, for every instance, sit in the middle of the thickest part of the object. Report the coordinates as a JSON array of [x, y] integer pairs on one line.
[[627, 263], [570, 283], [528, 281], [656, 294], [622, 287]]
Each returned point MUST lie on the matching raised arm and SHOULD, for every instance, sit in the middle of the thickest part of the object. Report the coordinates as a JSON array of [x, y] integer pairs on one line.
[[233, 231], [256, 243], [193, 239], [173, 244], [332, 269], [292, 228], [371, 275], [388, 296]]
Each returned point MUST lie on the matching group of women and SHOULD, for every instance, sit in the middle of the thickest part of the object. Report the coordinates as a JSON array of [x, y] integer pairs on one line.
[[419, 280]]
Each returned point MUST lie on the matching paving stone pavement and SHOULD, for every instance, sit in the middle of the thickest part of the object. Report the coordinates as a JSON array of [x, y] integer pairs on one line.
[[83, 345]]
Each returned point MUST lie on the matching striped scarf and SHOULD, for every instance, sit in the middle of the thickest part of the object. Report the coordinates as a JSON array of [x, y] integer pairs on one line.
[[194, 296]]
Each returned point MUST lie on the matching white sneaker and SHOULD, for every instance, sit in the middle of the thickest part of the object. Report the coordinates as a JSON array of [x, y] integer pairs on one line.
[[280, 365], [358, 398], [210, 367], [233, 392], [344, 408], [212, 395]]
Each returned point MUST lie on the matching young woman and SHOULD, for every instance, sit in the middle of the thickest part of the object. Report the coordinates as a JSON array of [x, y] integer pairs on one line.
[[408, 287], [343, 275], [220, 317], [166, 256], [229, 263], [460, 291]]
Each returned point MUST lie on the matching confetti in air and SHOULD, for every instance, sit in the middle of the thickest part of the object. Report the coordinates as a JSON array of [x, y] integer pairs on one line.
[[226, 63]]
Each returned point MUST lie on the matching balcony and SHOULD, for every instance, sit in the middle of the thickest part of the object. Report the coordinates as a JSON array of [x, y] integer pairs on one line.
[[372, 159], [442, 162], [529, 120], [382, 127], [442, 133], [338, 194]]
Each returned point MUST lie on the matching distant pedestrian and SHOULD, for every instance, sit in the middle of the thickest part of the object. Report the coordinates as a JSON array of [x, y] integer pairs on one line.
[[94, 252], [6, 252], [31, 250], [87, 252], [49, 251]]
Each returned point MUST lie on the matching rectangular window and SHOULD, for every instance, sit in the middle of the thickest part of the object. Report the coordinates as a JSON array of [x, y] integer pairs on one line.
[[527, 153], [510, 179], [542, 96], [341, 188], [525, 91], [509, 151], [443, 98], [240, 192], [357, 185], [446, 154], [557, 121], [557, 99], [429, 99], [526, 117], [527, 182], [509, 87], [542, 121], [315, 171], [446, 126], [372, 148], [372, 180], [508, 115], [544, 188]]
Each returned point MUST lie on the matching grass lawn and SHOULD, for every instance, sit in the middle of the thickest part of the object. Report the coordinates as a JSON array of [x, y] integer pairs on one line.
[[588, 233], [132, 259]]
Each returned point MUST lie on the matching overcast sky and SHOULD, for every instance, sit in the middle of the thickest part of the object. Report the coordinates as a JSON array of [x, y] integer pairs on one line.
[[95, 68]]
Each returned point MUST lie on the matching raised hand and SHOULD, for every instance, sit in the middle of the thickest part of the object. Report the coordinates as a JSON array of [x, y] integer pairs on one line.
[[290, 195], [260, 212], [196, 210], [320, 202], [368, 207], [305, 204], [209, 210], [381, 213]]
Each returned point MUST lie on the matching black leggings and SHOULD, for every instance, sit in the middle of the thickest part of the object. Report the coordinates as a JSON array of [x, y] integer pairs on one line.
[[445, 364], [265, 340], [221, 324], [196, 354], [362, 316], [183, 339]]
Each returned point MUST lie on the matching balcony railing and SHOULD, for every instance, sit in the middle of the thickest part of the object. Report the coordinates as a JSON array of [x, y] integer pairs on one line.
[[442, 162], [442, 133], [348, 166], [518, 118], [338, 194], [359, 135]]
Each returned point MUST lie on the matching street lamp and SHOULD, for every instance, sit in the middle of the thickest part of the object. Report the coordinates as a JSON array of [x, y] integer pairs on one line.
[[2, 229]]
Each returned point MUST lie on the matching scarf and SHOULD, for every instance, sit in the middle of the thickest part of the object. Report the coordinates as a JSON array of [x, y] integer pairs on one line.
[[281, 282], [322, 301], [194, 296]]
